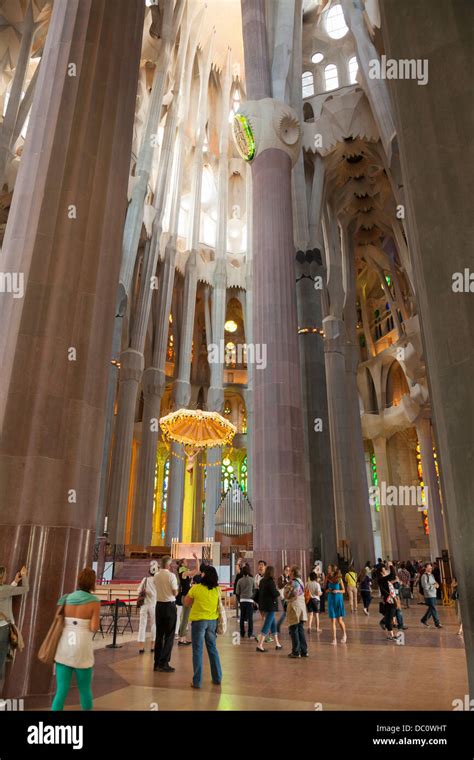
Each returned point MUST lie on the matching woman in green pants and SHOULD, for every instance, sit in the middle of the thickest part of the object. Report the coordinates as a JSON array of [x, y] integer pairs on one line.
[[74, 653]]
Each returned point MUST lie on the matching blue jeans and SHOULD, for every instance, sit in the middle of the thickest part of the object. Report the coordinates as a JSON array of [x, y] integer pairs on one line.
[[298, 639], [269, 625], [431, 604], [4, 647], [205, 631]]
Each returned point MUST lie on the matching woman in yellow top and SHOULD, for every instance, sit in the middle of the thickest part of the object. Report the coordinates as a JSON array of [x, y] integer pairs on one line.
[[351, 583], [203, 598]]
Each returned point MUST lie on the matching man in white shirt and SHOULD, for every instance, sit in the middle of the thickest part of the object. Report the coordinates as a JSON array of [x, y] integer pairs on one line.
[[166, 585]]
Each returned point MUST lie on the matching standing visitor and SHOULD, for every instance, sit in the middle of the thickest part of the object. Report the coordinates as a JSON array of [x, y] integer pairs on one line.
[[296, 614], [321, 578], [203, 599], [283, 579], [336, 611], [166, 592], [411, 569], [386, 577], [351, 581], [147, 600], [245, 590], [185, 576], [7, 592], [74, 653], [313, 594], [238, 576], [365, 585], [268, 596], [404, 578], [430, 587]]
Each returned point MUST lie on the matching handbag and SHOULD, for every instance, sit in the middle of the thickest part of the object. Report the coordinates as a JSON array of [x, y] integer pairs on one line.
[[142, 595], [15, 639], [405, 592], [47, 650], [221, 618]]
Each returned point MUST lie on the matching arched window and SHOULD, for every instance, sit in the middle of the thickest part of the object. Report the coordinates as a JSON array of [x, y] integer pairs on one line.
[[397, 385], [317, 57], [353, 68], [335, 24], [330, 77], [308, 84], [227, 475], [377, 324]]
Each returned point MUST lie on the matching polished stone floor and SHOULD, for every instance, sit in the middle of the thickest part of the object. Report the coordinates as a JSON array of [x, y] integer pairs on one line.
[[368, 673]]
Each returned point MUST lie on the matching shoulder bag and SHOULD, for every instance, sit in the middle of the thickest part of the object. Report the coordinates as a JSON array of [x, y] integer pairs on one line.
[[142, 595], [15, 639], [221, 617], [47, 650]]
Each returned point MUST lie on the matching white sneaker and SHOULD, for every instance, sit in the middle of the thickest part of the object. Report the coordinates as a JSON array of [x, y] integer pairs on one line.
[[344, 640], [366, 612]]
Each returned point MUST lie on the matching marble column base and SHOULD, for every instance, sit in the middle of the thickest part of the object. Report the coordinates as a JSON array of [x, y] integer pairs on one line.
[[54, 556]]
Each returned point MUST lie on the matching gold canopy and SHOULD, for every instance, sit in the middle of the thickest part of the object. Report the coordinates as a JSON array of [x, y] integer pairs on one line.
[[196, 429]]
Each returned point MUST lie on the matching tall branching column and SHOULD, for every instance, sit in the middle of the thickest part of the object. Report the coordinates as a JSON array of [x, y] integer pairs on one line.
[[281, 512], [64, 235]]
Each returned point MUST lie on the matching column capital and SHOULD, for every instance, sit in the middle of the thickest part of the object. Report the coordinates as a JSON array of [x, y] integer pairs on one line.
[[267, 123], [153, 382], [131, 365]]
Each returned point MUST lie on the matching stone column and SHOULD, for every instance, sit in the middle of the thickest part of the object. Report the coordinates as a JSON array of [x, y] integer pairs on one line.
[[437, 534], [170, 174], [427, 149], [134, 220], [361, 534], [64, 235], [181, 399], [311, 274], [215, 396], [362, 543], [339, 426], [278, 489], [388, 530]]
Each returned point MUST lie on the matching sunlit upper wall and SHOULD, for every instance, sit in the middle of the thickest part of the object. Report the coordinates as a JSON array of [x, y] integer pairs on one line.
[[329, 60]]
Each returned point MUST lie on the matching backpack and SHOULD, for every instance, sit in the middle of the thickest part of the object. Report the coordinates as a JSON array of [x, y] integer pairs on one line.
[[307, 595], [420, 585]]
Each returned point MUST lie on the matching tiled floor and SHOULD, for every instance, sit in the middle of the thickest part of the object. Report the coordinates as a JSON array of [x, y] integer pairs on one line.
[[368, 673]]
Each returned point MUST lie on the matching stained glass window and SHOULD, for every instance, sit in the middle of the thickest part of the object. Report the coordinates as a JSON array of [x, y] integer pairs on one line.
[[243, 474], [227, 475], [375, 480], [424, 513], [164, 497]]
